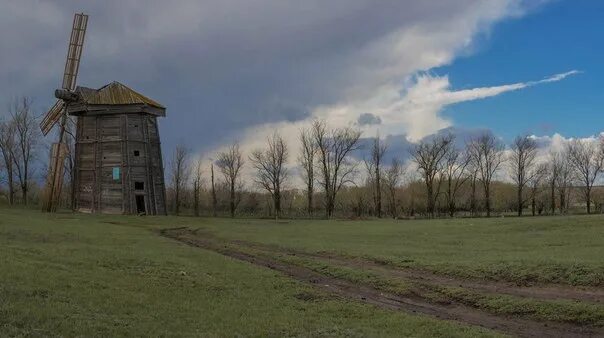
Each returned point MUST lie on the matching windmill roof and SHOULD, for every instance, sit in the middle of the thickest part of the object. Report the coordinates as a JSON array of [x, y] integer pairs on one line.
[[115, 93]]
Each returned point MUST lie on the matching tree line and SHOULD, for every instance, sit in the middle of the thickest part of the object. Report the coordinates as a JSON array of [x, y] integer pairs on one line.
[[444, 177], [324, 161], [19, 144]]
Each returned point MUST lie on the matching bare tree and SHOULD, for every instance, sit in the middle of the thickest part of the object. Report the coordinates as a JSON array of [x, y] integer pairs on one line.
[[473, 178], [522, 160], [565, 178], [560, 177], [7, 146], [374, 171], [586, 160], [429, 156], [336, 169], [392, 179], [554, 164], [487, 152], [307, 162], [271, 170], [534, 183], [197, 182], [27, 136], [230, 163], [454, 175], [180, 174]]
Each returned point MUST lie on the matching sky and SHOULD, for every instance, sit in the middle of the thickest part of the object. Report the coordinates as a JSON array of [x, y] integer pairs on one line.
[[237, 70]]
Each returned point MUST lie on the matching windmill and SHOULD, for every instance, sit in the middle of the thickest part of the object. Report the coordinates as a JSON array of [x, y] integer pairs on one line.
[[117, 160], [58, 113]]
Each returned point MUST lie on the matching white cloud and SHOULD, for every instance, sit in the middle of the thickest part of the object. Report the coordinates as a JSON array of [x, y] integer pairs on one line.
[[417, 112], [414, 111], [557, 142]]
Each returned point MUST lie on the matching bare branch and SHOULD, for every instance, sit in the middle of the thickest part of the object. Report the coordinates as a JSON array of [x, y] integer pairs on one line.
[[180, 173], [230, 163], [271, 170], [429, 156], [486, 152], [334, 147]]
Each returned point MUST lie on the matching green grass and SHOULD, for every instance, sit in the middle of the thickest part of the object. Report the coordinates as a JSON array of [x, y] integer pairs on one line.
[[541, 310], [522, 250], [554, 310], [83, 275]]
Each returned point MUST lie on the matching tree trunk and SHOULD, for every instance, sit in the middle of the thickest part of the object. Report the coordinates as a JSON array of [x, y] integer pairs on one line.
[[277, 202], [473, 198], [196, 201], [393, 204], [11, 183], [533, 204], [214, 200], [232, 200], [177, 200], [378, 192], [553, 197], [520, 204], [24, 181], [309, 195], [24, 193], [430, 201], [487, 197], [588, 198]]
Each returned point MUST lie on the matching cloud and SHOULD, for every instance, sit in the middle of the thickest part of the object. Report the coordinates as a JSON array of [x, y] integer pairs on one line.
[[557, 77], [238, 70], [222, 67], [368, 119], [557, 142], [419, 109]]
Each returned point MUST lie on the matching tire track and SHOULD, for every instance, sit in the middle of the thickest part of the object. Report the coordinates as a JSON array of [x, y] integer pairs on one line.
[[408, 303]]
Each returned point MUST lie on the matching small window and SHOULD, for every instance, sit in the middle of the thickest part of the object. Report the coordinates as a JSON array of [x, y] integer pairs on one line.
[[139, 185], [116, 173], [137, 153]]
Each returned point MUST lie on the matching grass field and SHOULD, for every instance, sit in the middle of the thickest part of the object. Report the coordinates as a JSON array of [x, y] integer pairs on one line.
[[84, 275], [523, 250]]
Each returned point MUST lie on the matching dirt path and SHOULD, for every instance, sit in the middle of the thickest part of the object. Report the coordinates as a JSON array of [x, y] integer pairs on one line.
[[544, 292], [367, 294], [547, 292]]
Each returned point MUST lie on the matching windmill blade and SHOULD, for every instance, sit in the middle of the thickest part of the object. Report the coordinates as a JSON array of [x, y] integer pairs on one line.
[[74, 52], [52, 117], [54, 179]]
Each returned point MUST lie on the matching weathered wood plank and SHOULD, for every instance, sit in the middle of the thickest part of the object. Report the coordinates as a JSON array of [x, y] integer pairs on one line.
[[128, 143]]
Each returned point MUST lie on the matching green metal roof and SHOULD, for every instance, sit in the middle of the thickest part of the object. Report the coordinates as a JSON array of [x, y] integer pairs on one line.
[[114, 93]]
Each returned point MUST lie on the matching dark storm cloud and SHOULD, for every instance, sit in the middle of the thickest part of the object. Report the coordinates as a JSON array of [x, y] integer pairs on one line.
[[368, 119], [399, 146], [220, 66]]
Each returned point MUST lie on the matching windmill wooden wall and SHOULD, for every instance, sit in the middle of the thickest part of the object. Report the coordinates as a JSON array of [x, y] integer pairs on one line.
[[118, 164]]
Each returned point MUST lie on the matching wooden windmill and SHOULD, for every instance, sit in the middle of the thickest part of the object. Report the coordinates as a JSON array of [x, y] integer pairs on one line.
[[118, 165], [58, 112]]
